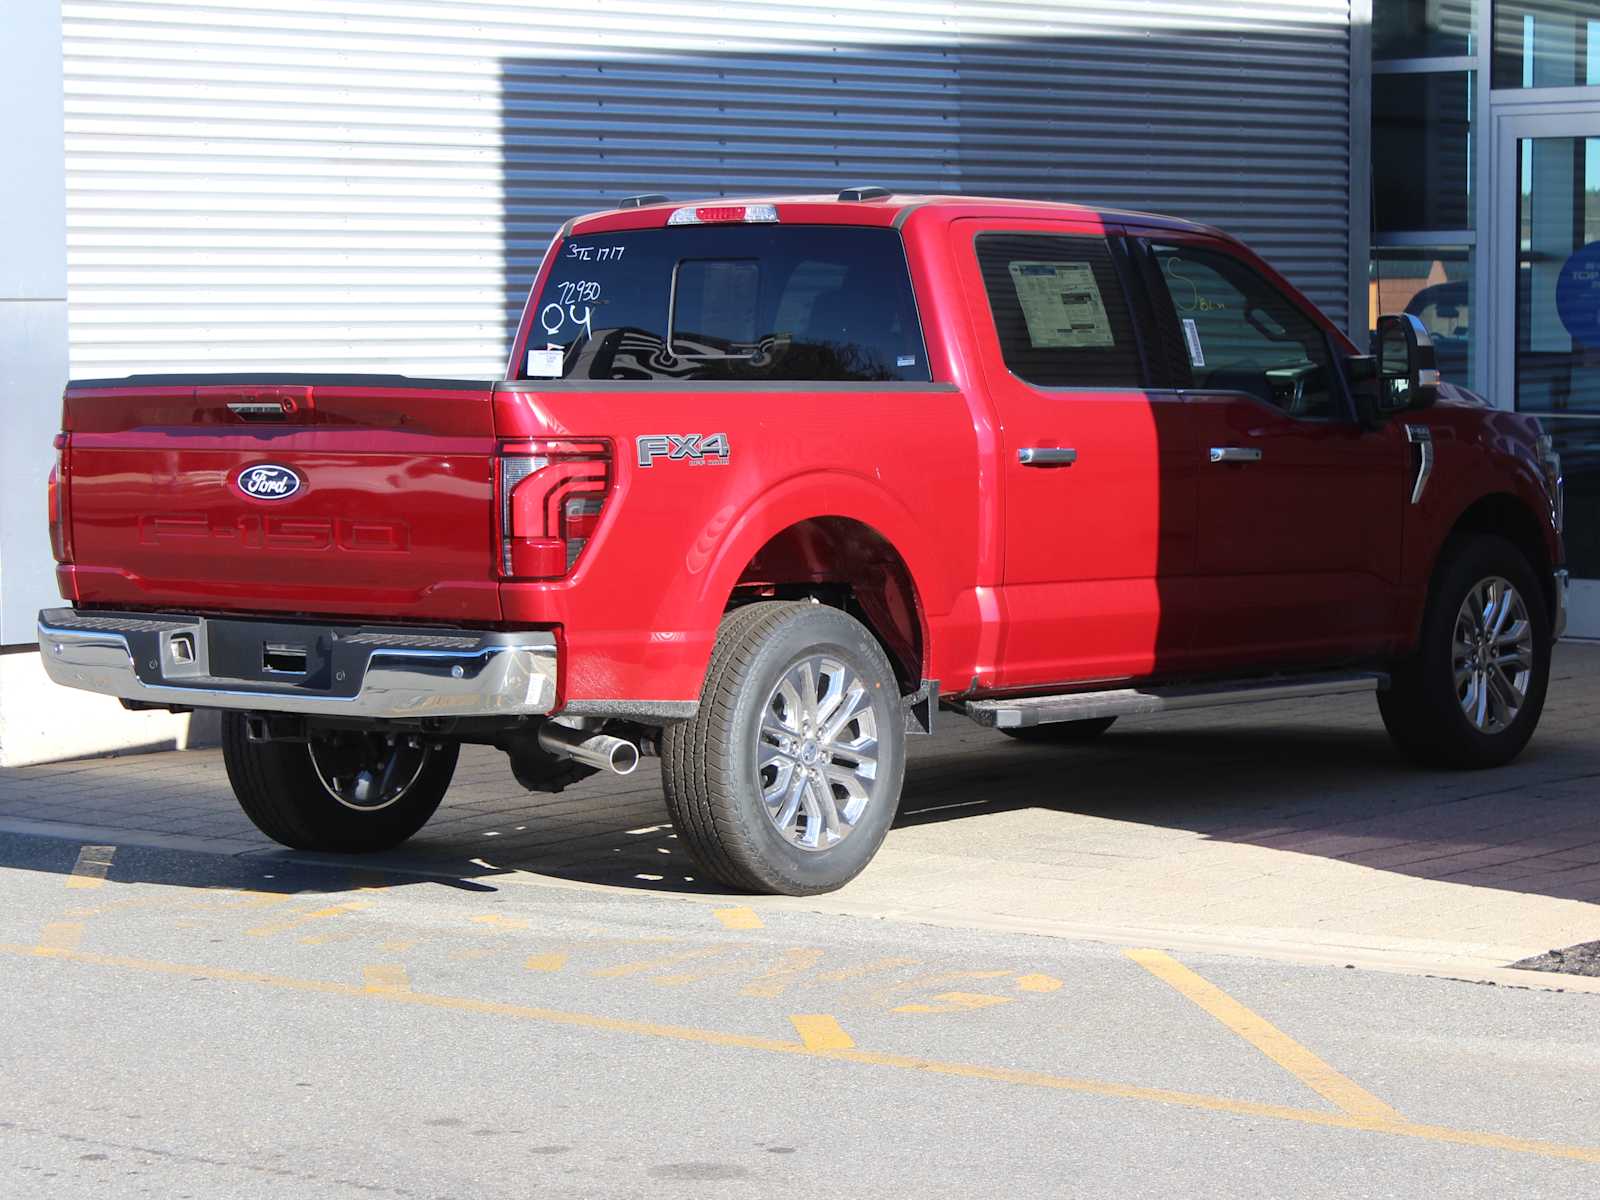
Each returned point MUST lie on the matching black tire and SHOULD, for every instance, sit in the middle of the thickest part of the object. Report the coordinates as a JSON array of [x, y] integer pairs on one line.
[[710, 770], [1423, 708], [279, 788], [1062, 733]]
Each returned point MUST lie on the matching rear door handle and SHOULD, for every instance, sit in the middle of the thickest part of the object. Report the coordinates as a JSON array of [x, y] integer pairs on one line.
[[1046, 456], [1234, 454]]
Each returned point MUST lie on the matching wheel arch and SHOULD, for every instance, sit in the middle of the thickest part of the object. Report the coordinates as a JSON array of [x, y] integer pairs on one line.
[[850, 565], [865, 544], [1506, 515]]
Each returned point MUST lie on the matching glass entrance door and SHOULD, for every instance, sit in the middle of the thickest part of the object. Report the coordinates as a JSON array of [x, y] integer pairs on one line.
[[1548, 357]]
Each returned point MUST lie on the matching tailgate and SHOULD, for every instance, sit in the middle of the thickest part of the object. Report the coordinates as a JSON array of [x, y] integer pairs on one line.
[[365, 496]]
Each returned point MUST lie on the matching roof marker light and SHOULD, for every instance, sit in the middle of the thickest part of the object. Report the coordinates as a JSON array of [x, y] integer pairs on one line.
[[719, 214]]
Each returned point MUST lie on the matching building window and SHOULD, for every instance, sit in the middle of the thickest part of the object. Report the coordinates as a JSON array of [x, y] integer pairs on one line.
[[1421, 150], [1423, 28], [1424, 149], [1433, 284], [1546, 43]]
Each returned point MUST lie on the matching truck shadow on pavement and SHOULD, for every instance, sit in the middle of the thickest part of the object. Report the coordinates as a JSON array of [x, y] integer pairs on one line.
[[1316, 779]]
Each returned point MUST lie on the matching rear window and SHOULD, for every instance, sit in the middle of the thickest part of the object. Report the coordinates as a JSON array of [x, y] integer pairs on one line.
[[735, 302]]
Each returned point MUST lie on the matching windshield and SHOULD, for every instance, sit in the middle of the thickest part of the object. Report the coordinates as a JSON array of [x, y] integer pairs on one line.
[[755, 302]]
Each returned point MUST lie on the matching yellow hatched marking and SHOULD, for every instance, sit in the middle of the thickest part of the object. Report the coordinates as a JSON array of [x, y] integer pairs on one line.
[[845, 974], [622, 970], [902, 1062], [818, 1031], [386, 977], [1038, 983], [499, 922], [955, 1002], [296, 919], [252, 899], [772, 984], [60, 937], [738, 918], [1282, 1049], [546, 962], [90, 869]]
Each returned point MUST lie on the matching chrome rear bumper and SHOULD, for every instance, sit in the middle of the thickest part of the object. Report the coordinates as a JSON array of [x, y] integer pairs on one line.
[[378, 672]]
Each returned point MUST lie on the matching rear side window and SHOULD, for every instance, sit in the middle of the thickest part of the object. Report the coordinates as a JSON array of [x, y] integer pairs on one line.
[[1059, 310], [732, 302]]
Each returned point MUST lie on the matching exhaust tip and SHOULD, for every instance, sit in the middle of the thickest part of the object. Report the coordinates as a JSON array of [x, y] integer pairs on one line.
[[624, 757]]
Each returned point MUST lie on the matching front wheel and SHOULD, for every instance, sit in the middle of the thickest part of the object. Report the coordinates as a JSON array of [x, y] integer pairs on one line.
[[1471, 694], [346, 792], [787, 778]]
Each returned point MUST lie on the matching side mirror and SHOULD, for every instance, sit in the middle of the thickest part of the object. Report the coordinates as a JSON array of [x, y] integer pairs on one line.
[[1408, 369]]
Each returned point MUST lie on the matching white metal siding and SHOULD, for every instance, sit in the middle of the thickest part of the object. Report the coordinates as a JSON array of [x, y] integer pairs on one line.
[[367, 184]]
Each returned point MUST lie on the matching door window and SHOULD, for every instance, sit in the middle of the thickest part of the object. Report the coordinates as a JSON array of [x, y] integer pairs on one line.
[[1059, 310], [1244, 335]]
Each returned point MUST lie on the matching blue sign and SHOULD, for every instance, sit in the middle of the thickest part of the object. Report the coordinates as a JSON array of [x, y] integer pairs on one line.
[[1578, 295]]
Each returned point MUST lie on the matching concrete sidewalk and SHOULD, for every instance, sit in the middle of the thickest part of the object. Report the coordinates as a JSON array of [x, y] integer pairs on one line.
[[1290, 829]]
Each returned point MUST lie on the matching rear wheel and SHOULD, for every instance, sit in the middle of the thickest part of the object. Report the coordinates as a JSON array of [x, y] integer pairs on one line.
[[348, 792], [1062, 733], [1471, 694], [787, 778]]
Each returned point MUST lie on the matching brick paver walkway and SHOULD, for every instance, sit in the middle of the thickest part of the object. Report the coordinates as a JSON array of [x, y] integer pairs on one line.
[[1292, 824]]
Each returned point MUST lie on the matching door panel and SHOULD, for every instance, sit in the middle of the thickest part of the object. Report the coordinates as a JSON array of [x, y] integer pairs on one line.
[[1092, 548], [1299, 551], [1299, 510]]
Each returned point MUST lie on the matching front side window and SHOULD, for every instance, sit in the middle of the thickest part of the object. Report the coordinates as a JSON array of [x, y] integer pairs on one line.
[[806, 303], [1059, 310], [1244, 335]]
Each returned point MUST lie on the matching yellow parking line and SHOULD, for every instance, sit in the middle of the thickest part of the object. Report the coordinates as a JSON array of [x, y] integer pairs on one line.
[[60, 937], [90, 869], [547, 962], [712, 1037], [1282, 1049], [385, 977], [738, 918], [818, 1031]]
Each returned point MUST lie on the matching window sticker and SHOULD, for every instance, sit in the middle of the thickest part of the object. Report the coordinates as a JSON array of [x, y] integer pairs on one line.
[[545, 364], [905, 360], [1062, 305], [1191, 338]]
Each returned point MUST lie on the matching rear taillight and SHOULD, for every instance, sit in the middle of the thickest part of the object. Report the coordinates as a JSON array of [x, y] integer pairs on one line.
[[56, 502], [552, 492]]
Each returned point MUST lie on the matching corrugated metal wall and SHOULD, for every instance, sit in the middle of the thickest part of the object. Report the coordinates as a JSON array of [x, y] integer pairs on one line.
[[369, 183]]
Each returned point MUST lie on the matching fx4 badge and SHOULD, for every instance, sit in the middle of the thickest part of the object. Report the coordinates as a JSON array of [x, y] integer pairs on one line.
[[694, 448]]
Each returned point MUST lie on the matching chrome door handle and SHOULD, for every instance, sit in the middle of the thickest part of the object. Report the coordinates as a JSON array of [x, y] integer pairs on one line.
[[1046, 456], [1234, 454]]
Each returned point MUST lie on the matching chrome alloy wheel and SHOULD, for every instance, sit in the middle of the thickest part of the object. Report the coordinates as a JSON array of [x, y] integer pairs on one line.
[[817, 753], [1493, 654], [368, 771]]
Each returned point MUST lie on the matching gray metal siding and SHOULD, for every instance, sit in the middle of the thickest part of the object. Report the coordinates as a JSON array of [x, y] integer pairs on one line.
[[369, 183]]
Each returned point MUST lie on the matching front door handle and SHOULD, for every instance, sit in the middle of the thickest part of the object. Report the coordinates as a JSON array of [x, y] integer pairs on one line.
[[1234, 454], [1046, 456]]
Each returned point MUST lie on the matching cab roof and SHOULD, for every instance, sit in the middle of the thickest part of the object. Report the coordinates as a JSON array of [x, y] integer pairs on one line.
[[891, 209]]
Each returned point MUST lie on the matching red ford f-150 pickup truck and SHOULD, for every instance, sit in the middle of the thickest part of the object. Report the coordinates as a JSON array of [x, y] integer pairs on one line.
[[768, 484]]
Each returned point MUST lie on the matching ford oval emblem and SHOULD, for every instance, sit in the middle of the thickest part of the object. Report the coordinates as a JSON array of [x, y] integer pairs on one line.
[[268, 481]]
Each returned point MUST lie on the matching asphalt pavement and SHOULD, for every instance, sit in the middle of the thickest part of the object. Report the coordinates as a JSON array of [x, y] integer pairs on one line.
[[190, 1024]]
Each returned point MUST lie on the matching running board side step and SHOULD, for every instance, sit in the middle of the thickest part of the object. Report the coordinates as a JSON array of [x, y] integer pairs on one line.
[[1128, 702]]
